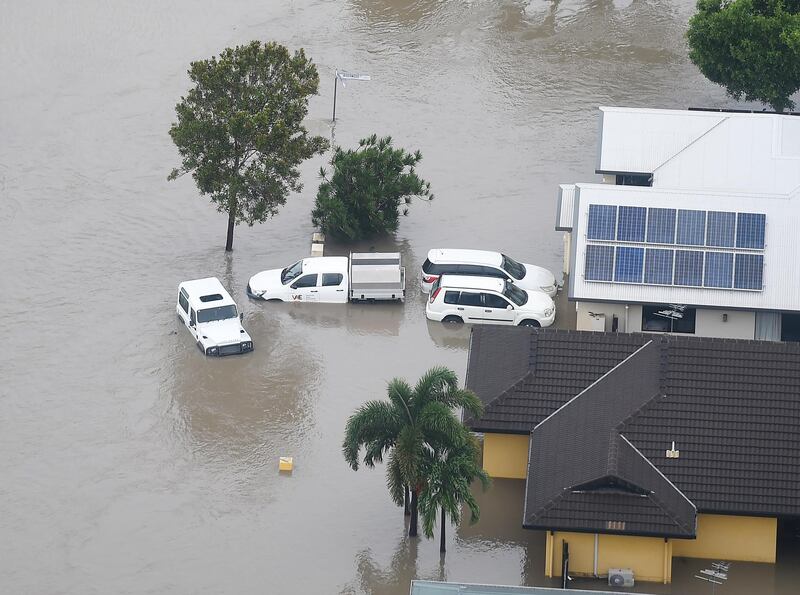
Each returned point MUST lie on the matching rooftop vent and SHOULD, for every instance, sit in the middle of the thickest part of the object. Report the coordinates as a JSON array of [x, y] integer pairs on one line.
[[672, 453]]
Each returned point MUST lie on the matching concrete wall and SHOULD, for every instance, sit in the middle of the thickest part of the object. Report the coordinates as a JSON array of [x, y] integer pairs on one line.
[[742, 538], [708, 323], [585, 320], [739, 324], [650, 558], [506, 455]]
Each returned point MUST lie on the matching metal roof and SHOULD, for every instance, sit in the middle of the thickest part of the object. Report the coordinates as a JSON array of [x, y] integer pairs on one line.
[[421, 587], [781, 291], [741, 152], [471, 282], [208, 286], [325, 264]]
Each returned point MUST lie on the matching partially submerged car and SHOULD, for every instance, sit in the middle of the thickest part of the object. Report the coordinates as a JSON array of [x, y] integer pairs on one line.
[[211, 315], [373, 276], [482, 263]]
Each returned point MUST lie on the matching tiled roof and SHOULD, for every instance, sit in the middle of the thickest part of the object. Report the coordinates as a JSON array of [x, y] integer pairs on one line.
[[612, 409]]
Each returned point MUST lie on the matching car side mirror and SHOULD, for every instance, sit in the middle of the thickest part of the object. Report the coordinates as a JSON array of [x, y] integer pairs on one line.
[[509, 307]]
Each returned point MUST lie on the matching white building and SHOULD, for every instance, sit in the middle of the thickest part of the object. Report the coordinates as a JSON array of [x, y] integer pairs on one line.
[[696, 228]]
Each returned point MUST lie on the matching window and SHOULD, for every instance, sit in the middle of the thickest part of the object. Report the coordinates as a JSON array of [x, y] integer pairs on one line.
[[749, 271], [750, 229], [491, 300], [688, 268], [305, 281], [634, 180], [331, 279], [451, 297], [691, 228], [668, 318], [183, 300], [599, 263], [719, 269], [658, 266], [720, 229], [630, 227], [628, 265], [661, 226], [515, 294], [213, 297], [291, 272], [513, 268], [469, 299], [218, 313], [192, 320], [602, 222]]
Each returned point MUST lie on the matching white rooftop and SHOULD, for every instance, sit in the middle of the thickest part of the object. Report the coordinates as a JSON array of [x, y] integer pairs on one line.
[[740, 152]]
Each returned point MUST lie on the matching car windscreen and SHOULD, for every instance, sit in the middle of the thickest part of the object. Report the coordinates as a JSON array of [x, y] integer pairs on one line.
[[515, 294], [218, 313], [291, 272], [513, 268]]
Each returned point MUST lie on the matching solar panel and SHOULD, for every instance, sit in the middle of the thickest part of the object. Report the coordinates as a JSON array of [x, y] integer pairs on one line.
[[749, 271], [628, 265], [691, 228], [602, 222], [719, 269], [630, 227], [688, 267], [750, 229], [658, 266], [721, 228], [661, 226], [599, 263]]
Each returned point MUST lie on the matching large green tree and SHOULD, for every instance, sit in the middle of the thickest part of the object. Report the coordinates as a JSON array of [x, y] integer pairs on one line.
[[367, 186], [240, 129], [449, 475], [750, 47], [411, 424]]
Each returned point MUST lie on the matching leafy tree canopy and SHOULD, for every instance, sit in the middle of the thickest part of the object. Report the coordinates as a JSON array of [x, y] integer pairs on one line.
[[750, 47], [362, 197], [240, 129]]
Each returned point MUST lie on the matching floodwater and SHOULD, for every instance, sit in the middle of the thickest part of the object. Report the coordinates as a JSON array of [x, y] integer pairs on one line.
[[132, 464]]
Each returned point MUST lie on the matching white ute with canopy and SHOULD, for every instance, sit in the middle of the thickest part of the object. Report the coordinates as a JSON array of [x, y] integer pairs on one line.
[[368, 276]]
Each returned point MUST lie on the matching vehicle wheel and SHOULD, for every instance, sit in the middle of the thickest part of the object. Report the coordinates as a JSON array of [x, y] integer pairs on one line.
[[453, 320], [533, 323], [274, 300]]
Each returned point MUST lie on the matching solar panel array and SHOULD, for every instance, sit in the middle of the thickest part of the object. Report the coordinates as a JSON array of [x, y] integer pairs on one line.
[[690, 248]]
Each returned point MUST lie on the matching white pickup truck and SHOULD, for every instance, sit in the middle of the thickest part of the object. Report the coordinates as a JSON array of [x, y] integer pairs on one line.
[[369, 276]]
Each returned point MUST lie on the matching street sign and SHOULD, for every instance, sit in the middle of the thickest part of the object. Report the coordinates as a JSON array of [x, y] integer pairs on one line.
[[352, 76], [343, 75]]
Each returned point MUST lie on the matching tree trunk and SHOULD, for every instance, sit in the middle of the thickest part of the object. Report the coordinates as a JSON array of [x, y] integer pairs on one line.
[[412, 529], [441, 544], [231, 222], [406, 509]]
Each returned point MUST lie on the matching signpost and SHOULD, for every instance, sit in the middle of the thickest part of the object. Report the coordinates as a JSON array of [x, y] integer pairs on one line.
[[342, 75]]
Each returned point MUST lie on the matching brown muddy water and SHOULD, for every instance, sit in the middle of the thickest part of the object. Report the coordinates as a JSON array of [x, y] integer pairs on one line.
[[132, 464]]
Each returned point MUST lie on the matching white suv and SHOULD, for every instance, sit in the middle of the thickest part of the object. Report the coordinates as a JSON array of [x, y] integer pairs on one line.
[[486, 264], [486, 300], [210, 314]]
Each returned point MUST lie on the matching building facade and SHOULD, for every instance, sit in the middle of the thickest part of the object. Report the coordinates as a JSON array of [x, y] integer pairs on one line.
[[693, 229], [639, 448]]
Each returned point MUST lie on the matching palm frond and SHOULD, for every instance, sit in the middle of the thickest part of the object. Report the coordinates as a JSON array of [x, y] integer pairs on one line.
[[394, 480], [440, 425], [433, 383], [401, 396], [374, 426], [466, 399]]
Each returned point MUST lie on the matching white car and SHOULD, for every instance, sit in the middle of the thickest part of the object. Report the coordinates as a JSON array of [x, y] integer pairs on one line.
[[315, 279], [483, 263], [487, 300], [211, 316]]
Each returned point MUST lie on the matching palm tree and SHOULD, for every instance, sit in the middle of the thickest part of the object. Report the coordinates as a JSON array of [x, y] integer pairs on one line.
[[450, 474], [413, 422]]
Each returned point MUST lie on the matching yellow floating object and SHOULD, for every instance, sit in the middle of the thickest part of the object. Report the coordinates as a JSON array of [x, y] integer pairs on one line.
[[285, 464]]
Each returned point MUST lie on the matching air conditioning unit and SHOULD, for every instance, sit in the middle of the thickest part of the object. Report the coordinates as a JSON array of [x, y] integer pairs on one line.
[[620, 577]]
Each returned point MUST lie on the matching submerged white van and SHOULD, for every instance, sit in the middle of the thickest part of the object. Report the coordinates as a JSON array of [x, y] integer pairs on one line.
[[211, 316]]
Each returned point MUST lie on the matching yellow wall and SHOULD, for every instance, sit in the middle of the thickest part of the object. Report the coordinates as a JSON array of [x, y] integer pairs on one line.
[[644, 555], [742, 538], [506, 455]]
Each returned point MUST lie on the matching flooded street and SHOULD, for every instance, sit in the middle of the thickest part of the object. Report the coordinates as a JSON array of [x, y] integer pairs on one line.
[[131, 463]]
